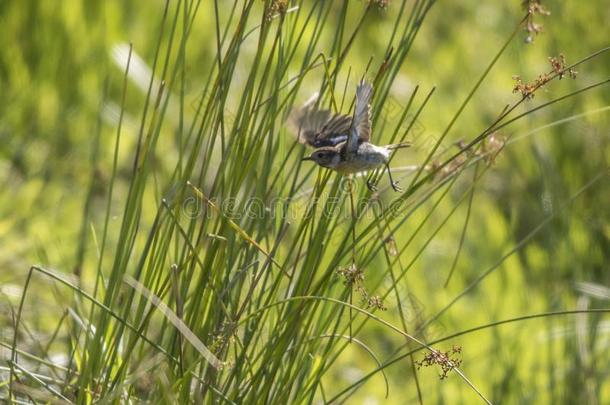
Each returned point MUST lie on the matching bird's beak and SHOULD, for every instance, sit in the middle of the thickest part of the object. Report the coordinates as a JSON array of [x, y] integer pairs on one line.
[[306, 158]]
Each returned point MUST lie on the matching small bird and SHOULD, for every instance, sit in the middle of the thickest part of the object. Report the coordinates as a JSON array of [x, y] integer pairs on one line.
[[342, 142]]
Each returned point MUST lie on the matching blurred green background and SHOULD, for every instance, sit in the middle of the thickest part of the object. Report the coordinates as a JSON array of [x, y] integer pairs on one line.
[[59, 95]]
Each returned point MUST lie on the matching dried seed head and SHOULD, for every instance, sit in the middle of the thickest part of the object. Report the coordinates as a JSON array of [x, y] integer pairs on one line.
[[533, 8], [446, 360], [277, 7], [559, 69], [382, 4]]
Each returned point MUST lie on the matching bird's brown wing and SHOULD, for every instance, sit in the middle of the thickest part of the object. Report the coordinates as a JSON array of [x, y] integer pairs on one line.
[[318, 128], [334, 131], [307, 122]]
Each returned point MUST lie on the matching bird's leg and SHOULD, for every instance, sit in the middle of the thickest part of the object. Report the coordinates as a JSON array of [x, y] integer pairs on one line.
[[370, 182], [394, 183]]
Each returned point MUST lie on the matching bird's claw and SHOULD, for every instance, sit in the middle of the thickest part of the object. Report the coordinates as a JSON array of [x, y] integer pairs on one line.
[[396, 187], [371, 186]]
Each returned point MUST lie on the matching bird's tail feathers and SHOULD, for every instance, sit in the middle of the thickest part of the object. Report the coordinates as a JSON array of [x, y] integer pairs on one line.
[[399, 145]]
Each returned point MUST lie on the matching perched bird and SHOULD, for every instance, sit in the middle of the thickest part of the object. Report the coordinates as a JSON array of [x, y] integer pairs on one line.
[[342, 142]]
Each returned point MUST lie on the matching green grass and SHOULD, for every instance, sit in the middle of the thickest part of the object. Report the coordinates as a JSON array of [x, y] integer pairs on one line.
[[163, 242]]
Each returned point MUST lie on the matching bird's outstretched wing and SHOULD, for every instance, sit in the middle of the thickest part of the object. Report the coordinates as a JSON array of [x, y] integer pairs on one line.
[[360, 130], [318, 128]]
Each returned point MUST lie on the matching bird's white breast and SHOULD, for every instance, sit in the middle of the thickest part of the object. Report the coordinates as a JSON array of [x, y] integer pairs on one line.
[[368, 157]]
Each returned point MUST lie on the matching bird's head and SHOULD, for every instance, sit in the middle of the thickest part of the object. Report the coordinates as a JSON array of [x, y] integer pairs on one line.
[[328, 157]]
